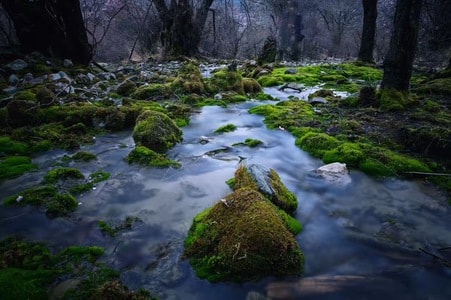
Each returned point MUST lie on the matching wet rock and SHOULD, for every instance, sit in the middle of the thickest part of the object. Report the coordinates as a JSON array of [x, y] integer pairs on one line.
[[17, 65], [336, 173], [28, 78], [156, 131], [291, 71], [233, 242], [13, 79], [107, 76], [10, 90], [205, 140], [318, 100], [126, 88], [67, 63], [267, 182], [252, 295]]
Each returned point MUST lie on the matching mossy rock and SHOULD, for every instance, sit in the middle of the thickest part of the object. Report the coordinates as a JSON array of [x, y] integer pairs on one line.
[[268, 81], [84, 156], [156, 131], [251, 86], [14, 166], [12, 147], [45, 96], [21, 113], [144, 156], [189, 80], [126, 88], [252, 143], [242, 238], [62, 173], [225, 80], [25, 96], [154, 91], [349, 153], [46, 196], [226, 128], [267, 182]]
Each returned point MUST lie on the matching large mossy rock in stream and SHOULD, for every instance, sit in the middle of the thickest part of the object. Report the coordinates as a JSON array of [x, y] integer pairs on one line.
[[267, 182], [243, 237], [156, 131]]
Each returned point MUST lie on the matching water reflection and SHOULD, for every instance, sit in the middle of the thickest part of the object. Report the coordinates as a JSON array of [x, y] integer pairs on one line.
[[360, 241]]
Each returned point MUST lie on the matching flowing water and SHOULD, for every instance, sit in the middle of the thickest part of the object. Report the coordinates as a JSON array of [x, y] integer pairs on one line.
[[360, 241]]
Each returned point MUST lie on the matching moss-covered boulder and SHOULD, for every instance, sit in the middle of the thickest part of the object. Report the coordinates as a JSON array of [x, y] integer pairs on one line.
[[144, 156], [156, 131], [21, 113], [243, 237], [189, 80], [126, 87], [227, 80], [267, 182]]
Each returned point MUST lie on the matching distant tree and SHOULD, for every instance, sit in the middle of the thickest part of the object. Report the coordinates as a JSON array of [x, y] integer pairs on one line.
[[52, 27], [368, 31], [399, 60], [183, 23]]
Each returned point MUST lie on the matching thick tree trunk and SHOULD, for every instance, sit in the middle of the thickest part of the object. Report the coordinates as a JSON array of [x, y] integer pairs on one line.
[[182, 26], [401, 53], [289, 31], [368, 31], [52, 27]]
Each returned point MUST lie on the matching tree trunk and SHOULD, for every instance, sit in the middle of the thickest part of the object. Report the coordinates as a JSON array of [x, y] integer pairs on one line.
[[289, 31], [368, 31], [52, 27], [401, 53], [182, 27]]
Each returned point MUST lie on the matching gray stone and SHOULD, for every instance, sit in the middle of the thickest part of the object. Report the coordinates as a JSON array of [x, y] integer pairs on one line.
[[17, 65], [13, 79], [318, 100], [291, 71], [336, 173], [28, 78], [67, 63], [10, 90]]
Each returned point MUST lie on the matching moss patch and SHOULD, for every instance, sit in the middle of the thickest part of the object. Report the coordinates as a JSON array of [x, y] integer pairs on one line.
[[84, 156], [55, 175], [144, 156], [14, 166], [226, 128], [252, 143]]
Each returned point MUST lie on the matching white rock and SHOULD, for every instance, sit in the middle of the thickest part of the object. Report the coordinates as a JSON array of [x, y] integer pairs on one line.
[[336, 173]]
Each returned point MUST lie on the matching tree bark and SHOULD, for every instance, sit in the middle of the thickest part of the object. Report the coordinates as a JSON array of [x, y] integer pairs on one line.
[[289, 31], [182, 26], [399, 60], [368, 31], [52, 27]]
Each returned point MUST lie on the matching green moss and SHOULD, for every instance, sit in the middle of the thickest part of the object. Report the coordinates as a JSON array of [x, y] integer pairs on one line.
[[211, 102], [267, 182], [45, 196], [250, 85], [243, 240], [285, 114], [337, 76], [349, 153], [98, 176], [55, 175], [146, 157], [441, 86], [189, 80], [226, 128], [125, 88], [84, 156], [252, 143], [25, 95], [393, 100], [225, 80], [11, 147], [154, 90], [267, 81], [317, 143], [14, 166], [113, 229], [156, 131], [25, 284], [231, 182], [292, 224]]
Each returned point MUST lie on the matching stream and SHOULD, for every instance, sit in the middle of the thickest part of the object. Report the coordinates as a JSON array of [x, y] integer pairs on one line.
[[360, 240]]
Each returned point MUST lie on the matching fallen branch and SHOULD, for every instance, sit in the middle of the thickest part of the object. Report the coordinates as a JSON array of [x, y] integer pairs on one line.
[[428, 174], [439, 258]]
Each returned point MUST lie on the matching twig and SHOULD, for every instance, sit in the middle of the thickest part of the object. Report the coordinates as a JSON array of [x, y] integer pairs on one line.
[[428, 174], [439, 258]]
